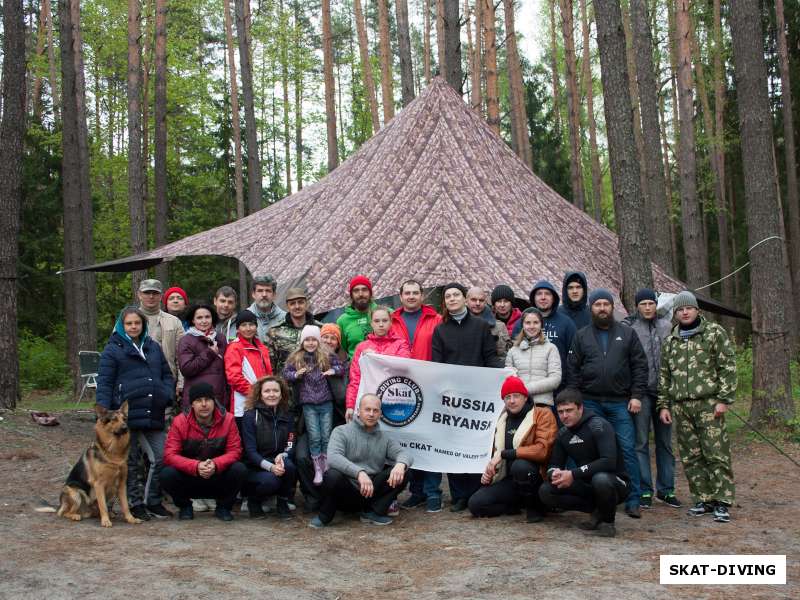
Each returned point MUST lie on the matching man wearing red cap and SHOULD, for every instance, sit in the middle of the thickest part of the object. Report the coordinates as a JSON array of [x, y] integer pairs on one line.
[[523, 439], [354, 322], [175, 302]]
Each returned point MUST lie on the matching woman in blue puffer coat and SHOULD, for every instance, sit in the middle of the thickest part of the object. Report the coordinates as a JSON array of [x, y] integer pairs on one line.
[[133, 369]]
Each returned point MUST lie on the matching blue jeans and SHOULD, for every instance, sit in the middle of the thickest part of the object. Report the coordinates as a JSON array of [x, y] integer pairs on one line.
[[425, 484], [263, 484], [616, 413], [665, 459], [319, 422], [150, 442]]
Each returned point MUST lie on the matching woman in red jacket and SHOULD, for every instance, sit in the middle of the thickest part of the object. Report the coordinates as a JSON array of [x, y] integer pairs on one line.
[[246, 361], [382, 341]]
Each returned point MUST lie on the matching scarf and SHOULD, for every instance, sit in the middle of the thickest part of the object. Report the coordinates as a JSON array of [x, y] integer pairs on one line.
[[459, 316], [689, 330]]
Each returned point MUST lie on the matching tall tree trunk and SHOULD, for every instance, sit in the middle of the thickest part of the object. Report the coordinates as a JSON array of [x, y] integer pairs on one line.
[[452, 44], [51, 60], [441, 54], [573, 111], [625, 178], [658, 217], [404, 48], [476, 63], [237, 138], [385, 51], [136, 207], [490, 43], [694, 246], [284, 59], [160, 171], [36, 88], [12, 134], [254, 191], [79, 287], [426, 7], [772, 385], [634, 91], [588, 86], [366, 66], [551, 6], [330, 88], [517, 89], [147, 63], [298, 97], [790, 158], [673, 233]]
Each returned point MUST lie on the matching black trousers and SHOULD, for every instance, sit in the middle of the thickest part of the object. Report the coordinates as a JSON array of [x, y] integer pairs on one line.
[[223, 487], [339, 492], [602, 494], [305, 469], [520, 488]]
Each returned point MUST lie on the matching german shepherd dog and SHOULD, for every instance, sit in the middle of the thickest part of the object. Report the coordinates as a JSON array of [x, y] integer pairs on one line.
[[102, 472]]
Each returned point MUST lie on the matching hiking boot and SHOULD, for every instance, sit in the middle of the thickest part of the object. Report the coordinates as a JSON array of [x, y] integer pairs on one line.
[[592, 523], [700, 509], [459, 506], [223, 514], [433, 504], [413, 501], [373, 518], [282, 510], [316, 523], [185, 513], [140, 512], [669, 499], [394, 509], [633, 512], [646, 501], [605, 530], [318, 470], [159, 512], [721, 514], [533, 516], [255, 509]]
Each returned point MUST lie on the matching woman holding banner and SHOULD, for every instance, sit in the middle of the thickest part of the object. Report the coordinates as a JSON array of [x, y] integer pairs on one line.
[[523, 439], [462, 339]]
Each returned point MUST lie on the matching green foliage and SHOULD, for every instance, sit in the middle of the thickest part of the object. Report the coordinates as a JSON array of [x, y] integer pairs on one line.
[[42, 361]]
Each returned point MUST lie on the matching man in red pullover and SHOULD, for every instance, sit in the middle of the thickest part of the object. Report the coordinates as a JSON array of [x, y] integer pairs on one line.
[[201, 456]]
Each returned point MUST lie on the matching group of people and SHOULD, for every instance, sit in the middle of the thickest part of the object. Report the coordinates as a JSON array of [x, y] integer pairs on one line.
[[268, 398]]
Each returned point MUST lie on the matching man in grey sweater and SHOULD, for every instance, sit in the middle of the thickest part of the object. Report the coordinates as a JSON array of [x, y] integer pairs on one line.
[[358, 479]]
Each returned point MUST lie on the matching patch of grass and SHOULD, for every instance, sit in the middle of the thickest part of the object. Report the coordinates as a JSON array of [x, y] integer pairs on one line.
[[54, 401]]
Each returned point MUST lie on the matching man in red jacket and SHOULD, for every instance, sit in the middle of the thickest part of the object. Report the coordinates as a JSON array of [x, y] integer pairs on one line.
[[415, 322], [201, 456]]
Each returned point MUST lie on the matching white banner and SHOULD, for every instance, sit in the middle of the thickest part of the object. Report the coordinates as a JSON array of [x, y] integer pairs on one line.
[[444, 415]]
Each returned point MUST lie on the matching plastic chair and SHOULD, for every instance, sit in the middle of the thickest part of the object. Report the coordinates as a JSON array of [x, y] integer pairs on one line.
[[89, 366]]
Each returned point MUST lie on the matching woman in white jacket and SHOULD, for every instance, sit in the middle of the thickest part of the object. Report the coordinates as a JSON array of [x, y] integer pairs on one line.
[[535, 359]]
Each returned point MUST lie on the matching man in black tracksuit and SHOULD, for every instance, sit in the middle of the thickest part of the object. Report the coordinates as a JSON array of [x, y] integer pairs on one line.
[[598, 482]]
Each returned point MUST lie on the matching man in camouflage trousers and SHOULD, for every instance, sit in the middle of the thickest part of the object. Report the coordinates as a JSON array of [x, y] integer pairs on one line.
[[697, 382]]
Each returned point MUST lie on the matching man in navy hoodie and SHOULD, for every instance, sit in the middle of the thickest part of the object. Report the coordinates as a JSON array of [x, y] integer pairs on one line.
[[575, 292], [558, 327]]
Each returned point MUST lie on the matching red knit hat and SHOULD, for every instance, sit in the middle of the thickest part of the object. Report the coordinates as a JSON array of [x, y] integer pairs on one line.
[[359, 280], [512, 385], [175, 290]]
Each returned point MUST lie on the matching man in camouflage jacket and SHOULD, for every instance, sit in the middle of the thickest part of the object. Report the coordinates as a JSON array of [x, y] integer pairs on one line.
[[697, 382]]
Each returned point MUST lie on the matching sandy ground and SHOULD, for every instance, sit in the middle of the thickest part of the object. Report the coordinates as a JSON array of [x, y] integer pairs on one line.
[[420, 556]]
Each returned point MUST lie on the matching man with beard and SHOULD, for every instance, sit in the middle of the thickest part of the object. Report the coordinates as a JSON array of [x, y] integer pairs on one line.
[[267, 313], [354, 322], [607, 364], [225, 305]]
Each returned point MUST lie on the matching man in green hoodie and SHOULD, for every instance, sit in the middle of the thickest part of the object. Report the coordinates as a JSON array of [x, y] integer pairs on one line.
[[354, 322]]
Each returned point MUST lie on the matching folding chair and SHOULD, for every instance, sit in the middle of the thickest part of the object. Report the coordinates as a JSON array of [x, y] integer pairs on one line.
[[89, 367]]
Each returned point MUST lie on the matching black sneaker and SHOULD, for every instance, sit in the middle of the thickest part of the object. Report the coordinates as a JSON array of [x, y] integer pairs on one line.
[[413, 501], [459, 506], [605, 530], [646, 501], [633, 512], [186, 513], [159, 512], [669, 499], [592, 523], [223, 514], [140, 512], [282, 510], [533, 516], [254, 509], [721, 514], [700, 509]]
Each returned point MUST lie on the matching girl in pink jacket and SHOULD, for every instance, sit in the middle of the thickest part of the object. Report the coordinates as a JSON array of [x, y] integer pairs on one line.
[[382, 341]]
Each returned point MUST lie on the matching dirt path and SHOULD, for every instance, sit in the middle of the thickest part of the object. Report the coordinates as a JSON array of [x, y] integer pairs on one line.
[[420, 556]]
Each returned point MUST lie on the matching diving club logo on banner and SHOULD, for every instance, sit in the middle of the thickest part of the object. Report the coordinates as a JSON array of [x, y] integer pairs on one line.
[[401, 401]]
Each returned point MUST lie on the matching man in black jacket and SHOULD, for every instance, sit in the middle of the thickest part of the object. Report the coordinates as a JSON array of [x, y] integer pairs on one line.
[[607, 364], [598, 482]]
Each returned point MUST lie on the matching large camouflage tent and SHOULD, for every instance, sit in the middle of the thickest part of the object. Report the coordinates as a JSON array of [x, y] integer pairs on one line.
[[435, 195]]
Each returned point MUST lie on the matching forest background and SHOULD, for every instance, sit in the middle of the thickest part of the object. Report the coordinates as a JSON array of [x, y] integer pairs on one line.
[[150, 120]]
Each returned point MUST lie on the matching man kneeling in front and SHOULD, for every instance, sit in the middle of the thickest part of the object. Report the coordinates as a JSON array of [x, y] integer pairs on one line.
[[598, 483], [358, 479]]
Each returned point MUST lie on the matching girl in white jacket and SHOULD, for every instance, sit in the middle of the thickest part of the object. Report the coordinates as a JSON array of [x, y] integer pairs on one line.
[[535, 359]]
